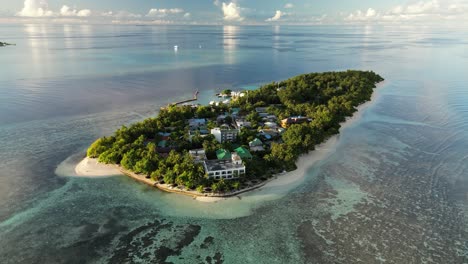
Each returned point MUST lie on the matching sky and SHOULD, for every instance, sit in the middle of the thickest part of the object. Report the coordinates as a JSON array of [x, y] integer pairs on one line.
[[233, 11]]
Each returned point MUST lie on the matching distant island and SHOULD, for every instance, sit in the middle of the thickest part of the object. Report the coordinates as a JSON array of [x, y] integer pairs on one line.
[[2, 44], [234, 146]]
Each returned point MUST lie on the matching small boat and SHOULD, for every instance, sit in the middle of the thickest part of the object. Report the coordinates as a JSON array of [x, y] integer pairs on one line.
[[176, 48]]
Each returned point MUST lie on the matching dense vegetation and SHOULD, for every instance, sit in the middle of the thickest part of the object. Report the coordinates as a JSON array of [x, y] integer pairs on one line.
[[326, 98]]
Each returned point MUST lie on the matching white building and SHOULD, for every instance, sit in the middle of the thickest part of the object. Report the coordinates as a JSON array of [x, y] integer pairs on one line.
[[225, 169], [224, 134]]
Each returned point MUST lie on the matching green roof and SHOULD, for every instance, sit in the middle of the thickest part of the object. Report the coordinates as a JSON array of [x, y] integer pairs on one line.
[[243, 153], [256, 142], [162, 143], [223, 154]]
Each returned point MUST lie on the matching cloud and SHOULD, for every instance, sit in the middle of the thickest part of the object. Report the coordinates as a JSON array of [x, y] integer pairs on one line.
[[216, 3], [431, 10], [288, 5], [276, 17], [69, 12], [359, 15], [35, 8], [423, 7], [154, 12], [121, 14], [232, 12]]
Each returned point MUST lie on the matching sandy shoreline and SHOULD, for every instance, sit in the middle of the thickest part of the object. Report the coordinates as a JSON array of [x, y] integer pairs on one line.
[[91, 168]]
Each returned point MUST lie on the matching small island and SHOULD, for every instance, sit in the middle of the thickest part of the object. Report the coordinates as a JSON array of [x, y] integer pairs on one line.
[[3, 44], [229, 147]]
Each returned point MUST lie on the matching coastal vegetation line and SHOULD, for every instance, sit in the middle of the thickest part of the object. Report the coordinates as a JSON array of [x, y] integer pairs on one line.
[[223, 148]]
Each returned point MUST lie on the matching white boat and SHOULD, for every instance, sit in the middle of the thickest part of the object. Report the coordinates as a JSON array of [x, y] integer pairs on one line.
[[176, 48]]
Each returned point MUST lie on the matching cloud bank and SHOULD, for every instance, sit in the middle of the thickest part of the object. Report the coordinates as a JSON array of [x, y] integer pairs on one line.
[[40, 8], [432, 10], [154, 12]]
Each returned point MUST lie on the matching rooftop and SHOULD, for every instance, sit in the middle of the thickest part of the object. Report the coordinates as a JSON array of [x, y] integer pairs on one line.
[[256, 142], [217, 165], [223, 154], [243, 153]]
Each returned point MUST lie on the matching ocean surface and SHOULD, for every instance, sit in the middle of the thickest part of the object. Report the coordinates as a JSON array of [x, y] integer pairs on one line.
[[393, 189]]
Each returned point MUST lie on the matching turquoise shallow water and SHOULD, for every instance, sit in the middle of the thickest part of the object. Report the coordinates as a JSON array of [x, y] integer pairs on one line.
[[394, 190]]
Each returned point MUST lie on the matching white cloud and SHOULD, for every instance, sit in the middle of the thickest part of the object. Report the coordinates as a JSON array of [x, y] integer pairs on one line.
[[288, 5], [276, 17], [423, 7], [187, 15], [154, 12], [430, 10], [370, 14], [232, 12], [35, 8], [69, 12], [121, 14]]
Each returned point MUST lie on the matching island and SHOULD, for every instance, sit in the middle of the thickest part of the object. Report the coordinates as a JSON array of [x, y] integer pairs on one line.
[[3, 44], [229, 147]]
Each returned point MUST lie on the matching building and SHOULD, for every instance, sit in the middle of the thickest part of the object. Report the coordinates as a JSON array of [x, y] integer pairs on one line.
[[243, 153], [256, 145], [240, 123], [198, 155], [164, 135], [197, 122], [271, 125], [223, 154], [261, 110], [224, 134], [294, 120], [224, 169], [201, 131]]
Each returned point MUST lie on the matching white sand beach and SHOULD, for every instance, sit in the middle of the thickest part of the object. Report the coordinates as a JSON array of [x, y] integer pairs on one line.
[[92, 168]]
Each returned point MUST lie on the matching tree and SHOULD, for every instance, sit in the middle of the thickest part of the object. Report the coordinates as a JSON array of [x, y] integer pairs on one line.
[[200, 189]]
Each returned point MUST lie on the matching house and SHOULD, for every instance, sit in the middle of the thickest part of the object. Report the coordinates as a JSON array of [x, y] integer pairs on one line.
[[223, 154], [261, 110], [197, 122], [285, 123], [264, 135], [224, 169], [256, 145], [235, 111], [243, 153], [271, 125], [268, 131], [224, 134], [201, 130], [164, 135], [198, 155], [240, 123]]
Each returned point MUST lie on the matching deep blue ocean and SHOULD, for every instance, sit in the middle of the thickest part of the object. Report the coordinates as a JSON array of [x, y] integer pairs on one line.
[[394, 188]]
